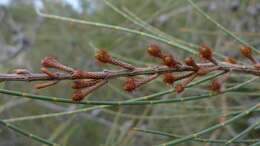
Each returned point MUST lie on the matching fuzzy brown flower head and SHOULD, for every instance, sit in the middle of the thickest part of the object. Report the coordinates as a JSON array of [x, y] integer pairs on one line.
[[50, 62], [215, 85], [129, 85], [179, 88], [154, 50], [168, 78], [246, 51], [205, 52], [169, 61], [103, 56], [231, 60]]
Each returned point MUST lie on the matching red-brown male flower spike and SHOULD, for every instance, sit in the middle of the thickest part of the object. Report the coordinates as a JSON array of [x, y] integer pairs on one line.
[[154, 50], [79, 74], [168, 78], [52, 62], [84, 83], [104, 57], [79, 94], [190, 62], [169, 61], [247, 52]]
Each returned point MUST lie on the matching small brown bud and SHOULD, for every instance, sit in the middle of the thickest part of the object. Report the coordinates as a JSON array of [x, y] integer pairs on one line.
[[247, 52], [215, 85], [103, 56], [79, 94], [130, 85], [179, 88], [169, 61], [52, 62], [190, 62], [168, 78], [205, 52], [154, 50]]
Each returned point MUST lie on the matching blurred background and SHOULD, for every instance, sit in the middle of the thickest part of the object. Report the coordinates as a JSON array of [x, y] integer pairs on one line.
[[25, 38]]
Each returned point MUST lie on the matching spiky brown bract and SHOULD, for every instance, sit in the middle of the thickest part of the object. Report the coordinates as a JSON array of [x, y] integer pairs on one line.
[[103, 56]]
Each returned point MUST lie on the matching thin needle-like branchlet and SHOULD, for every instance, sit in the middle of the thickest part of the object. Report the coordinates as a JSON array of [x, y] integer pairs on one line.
[[212, 128], [118, 28], [225, 30], [27, 134], [194, 139], [244, 132]]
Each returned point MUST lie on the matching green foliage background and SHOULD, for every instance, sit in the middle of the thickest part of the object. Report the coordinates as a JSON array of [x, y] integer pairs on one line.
[[75, 44]]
